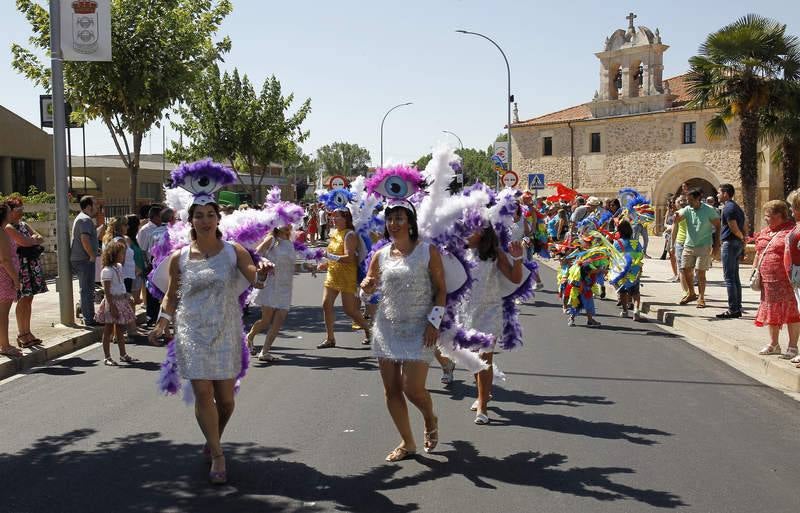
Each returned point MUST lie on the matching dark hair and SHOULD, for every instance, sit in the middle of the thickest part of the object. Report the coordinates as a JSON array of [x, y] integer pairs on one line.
[[86, 202], [191, 216], [489, 244], [696, 193], [580, 200], [727, 189], [143, 211], [413, 228], [154, 211], [167, 215], [616, 205], [133, 226], [14, 202], [625, 229], [4, 210]]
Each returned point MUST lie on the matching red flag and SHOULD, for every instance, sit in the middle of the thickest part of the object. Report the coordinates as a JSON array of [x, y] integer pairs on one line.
[[563, 193]]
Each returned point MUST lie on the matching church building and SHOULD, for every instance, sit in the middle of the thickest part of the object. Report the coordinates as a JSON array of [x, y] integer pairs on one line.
[[635, 132]]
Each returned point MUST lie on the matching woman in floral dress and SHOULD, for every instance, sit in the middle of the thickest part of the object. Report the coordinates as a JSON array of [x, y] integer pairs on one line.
[[778, 305], [31, 276]]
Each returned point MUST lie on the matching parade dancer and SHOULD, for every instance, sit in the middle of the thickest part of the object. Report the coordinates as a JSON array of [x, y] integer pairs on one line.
[[276, 296], [482, 309], [583, 277], [341, 266], [626, 280], [410, 276], [202, 297]]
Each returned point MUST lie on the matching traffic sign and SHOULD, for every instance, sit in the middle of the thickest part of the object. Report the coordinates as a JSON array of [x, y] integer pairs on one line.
[[536, 181], [501, 151], [337, 182], [510, 179]]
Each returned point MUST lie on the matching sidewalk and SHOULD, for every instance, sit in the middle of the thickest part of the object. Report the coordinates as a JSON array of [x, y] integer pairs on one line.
[[45, 324], [734, 341]]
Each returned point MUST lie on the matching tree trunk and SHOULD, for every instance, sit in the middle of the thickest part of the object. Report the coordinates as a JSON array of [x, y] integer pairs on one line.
[[790, 164], [748, 166], [134, 171]]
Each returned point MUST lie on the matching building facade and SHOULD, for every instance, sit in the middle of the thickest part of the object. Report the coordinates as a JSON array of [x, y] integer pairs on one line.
[[635, 132], [26, 155]]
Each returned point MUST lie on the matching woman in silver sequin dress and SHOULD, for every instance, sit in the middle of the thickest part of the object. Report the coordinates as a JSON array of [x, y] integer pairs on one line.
[[410, 277], [203, 299]]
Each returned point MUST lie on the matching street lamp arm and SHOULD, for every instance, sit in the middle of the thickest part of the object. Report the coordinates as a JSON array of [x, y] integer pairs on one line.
[[456, 136], [508, 67], [384, 119]]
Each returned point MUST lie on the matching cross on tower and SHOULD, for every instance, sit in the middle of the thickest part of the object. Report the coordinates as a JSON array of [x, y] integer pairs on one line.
[[630, 17]]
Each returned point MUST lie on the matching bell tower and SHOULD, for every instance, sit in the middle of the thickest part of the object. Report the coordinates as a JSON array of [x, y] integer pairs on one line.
[[631, 73]]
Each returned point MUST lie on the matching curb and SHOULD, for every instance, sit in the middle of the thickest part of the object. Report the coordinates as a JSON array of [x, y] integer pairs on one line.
[[770, 370], [52, 351]]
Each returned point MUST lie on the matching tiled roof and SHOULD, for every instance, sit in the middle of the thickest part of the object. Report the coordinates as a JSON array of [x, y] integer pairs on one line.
[[677, 85]]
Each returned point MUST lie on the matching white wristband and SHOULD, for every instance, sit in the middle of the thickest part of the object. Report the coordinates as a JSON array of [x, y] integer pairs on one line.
[[332, 257], [165, 315], [517, 259], [436, 316]]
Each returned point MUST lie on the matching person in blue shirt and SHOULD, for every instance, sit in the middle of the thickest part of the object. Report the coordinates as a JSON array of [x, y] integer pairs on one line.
[[732, 237]]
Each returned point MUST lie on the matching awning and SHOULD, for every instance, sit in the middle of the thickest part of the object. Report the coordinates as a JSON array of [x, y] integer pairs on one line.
[[78, 183]]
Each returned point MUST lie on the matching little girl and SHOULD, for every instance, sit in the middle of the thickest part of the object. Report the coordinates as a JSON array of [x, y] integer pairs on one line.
[[483, 310], [115, 311]]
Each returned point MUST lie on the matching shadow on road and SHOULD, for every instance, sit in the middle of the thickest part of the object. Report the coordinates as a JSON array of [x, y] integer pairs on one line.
[[142, 473], [459, 390]]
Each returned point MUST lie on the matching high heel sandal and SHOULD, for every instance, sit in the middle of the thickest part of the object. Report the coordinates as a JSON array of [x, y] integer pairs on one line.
[[218, 477], [431, 438]]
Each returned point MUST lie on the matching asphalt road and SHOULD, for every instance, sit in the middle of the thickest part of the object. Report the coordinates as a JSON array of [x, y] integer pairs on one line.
[[626, 417]]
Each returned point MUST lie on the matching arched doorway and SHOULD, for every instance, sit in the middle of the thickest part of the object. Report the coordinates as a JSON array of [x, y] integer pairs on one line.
[[694, 174], [698, 183]]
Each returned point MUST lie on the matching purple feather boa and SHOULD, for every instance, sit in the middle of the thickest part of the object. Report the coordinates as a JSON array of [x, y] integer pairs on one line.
[[169, 381], [307, 253], [512, 330], [216, 172], [473, 339]]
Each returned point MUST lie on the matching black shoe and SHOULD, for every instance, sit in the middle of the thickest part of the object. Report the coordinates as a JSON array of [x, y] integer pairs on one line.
[[729, 315], [91, 324]]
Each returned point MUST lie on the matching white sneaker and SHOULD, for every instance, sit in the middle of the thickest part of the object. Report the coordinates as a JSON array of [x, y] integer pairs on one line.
[[637, 316], [571, 321], [624, 314]]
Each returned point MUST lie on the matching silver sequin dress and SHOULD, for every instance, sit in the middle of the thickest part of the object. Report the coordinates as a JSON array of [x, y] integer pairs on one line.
[[406, 300], [208, 322], [482, 309], [277, 291]]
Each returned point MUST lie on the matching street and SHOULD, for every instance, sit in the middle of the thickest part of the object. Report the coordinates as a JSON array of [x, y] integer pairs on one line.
[[625, 417]]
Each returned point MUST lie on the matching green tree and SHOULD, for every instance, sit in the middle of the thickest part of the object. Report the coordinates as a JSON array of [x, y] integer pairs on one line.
[[341, 158], [224, 118], [780, 124], [736, 73], [160, 48]]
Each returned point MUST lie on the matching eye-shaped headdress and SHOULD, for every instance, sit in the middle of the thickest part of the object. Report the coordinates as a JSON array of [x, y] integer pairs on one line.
[[202, 178], [336, 199], [396, 184]]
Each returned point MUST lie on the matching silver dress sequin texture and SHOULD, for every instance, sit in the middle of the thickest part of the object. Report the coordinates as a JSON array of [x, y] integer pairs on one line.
[[406, 300], [482, 309], [277, 291], [208, 322]]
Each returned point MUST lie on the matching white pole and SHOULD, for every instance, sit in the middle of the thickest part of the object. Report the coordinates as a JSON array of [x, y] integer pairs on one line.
[[64, 280]]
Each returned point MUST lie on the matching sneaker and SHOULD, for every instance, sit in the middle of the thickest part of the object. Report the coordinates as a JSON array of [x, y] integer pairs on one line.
[[571, 321], [591, 323], [624, 314], [539, 286], [637, 316]]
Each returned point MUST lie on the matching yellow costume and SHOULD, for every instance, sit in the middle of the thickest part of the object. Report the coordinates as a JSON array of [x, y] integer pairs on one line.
[[341, 276]]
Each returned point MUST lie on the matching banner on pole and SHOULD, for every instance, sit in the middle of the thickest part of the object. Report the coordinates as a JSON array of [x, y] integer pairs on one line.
[[86, 30], [501, 152]]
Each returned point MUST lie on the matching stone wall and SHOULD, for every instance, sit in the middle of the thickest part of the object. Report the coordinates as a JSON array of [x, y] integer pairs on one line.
[[644, 151]]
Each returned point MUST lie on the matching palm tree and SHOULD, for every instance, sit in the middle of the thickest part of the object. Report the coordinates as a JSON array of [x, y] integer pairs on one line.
[[736, 73], [780, 124]]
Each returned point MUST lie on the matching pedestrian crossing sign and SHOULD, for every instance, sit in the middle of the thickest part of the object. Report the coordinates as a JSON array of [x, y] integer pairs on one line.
[[535, 181]]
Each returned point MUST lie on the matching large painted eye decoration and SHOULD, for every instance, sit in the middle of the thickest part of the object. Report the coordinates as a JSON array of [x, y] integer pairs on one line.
[[395, 187], [398, 182], [340, 199], [337, 199], [202, 178]]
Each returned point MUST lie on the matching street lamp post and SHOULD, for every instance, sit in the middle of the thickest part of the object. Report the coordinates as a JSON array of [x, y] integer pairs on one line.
[[384, 119], [510, 98], [457, 137]]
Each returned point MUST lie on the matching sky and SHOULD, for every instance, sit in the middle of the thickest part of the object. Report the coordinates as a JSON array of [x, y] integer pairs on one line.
[[357, 59]]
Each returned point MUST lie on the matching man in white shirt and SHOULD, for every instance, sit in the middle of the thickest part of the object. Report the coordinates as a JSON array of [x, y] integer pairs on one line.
[[322, 222], [144, 237]]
